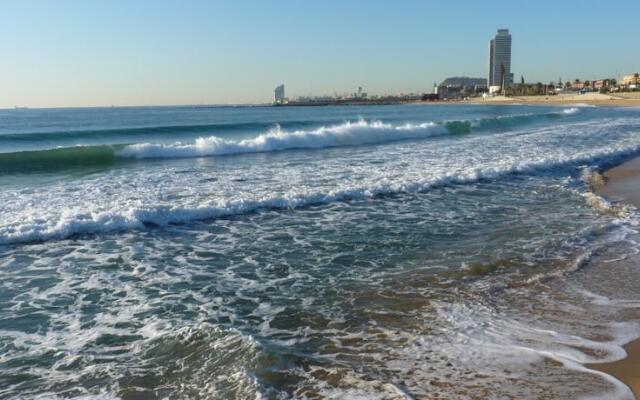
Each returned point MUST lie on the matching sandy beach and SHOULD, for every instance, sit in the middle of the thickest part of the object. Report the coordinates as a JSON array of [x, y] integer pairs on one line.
[[626, 369], [622, 183], [596, 99]]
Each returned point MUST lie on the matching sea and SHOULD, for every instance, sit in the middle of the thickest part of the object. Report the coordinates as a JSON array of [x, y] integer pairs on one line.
[[354, 252]]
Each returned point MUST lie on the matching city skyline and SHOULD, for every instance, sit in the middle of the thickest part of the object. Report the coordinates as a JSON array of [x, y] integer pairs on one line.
[[79, 54]]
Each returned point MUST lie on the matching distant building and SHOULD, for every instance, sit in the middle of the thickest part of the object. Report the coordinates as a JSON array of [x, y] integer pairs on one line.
[[279, 95], [500, 59], [360, 94], [429, 97], [576, 86], [631, 81], [494, 89], [601, 84], [450, 92], [470, 85]]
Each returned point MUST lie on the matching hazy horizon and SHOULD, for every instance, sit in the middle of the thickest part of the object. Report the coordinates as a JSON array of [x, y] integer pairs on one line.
[[84, 54]]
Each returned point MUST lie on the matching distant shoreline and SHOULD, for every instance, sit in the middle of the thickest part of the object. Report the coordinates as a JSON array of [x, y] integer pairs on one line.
[[616, 100], [597, 99], [345, 103]]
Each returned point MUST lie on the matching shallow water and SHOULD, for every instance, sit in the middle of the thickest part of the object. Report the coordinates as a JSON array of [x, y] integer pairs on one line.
[[354, 252]]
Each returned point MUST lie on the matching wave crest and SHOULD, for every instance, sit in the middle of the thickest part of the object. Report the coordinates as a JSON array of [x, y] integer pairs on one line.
[[70, 224], [345, 134], [348, 133]]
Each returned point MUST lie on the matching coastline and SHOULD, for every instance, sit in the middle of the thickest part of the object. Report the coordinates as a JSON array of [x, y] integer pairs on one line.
[[622, 184], [595, 99], [631, 99]]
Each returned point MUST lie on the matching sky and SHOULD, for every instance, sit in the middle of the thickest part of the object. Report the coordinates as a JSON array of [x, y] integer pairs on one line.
[[68, 53]]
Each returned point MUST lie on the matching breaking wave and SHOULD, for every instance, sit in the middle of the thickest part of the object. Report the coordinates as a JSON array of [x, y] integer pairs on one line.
[[69, 224], [345, 134], [349, 133]]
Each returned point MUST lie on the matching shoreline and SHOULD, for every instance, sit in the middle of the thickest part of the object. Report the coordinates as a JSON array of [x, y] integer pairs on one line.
[[553, 102], [625, 370], [594, 99], [631, 99], [604, 101], [622, 184]]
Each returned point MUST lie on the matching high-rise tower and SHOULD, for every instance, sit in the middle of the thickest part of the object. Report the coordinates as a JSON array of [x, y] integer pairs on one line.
[[279, 95], [500, 59]]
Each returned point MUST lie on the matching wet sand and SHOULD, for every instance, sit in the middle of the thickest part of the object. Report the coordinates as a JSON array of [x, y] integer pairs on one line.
[[622, 183], [626, 370]]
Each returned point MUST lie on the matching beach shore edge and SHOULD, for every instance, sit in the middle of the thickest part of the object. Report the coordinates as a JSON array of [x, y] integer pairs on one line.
[[622, 184]]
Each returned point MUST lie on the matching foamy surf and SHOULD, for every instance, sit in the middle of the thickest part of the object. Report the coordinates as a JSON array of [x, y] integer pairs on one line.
[[112, 150], [69, 224], [571, 110], [346, 134], [361, 132], [488, 333], [468, 261]]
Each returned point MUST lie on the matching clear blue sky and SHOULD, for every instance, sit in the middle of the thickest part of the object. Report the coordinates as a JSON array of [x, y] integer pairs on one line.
[[84, 53]]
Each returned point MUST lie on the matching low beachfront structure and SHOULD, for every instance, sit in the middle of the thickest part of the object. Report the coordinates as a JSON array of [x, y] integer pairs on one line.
[[631, 81]]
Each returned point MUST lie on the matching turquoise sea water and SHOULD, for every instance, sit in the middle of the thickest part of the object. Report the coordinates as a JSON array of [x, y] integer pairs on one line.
[[348, 252]]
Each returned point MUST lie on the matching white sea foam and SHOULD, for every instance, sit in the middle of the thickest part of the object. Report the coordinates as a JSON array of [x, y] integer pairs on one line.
[[30, 228], [53, 396], [345, 134], [571, 110], [132, 198], [501, 339]]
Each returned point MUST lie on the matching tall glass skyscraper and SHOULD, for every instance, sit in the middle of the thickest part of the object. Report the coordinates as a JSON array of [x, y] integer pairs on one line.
[[500, 59]]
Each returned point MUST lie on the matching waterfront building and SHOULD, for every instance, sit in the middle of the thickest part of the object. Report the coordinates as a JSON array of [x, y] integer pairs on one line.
[[279, 95], [601, 84], [500, 59], [450, 92], [632, 81], [470, 85]]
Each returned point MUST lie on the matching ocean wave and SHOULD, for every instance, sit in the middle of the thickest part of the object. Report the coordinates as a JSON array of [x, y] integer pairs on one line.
[[70, 224], [571, 110], [349, 133], [128, 132], [504, 122], [178, 129], [345, 134], [57, 159]]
